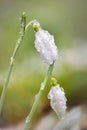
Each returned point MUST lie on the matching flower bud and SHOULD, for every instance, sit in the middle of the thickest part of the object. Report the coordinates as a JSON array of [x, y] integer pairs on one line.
[[45, 45], [58, 100]]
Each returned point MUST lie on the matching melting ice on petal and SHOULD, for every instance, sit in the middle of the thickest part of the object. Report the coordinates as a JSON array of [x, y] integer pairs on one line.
[[45, 45], [58, 100]]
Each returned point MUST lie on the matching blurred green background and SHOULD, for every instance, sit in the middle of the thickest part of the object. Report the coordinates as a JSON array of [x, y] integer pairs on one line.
[[67, 21]]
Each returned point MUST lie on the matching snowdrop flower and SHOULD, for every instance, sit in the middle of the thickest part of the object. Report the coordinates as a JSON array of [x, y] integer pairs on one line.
[[58, 100], [45, 45]]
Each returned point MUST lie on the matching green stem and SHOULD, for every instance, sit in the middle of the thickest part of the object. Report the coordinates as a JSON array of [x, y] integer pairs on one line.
[[18, 43], [37, 99]]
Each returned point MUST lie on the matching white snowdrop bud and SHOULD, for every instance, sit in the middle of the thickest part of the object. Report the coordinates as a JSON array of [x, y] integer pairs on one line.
[[45, 45], [58, 100]]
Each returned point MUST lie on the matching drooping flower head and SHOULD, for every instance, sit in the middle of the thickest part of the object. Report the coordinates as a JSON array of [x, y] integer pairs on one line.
[[44, 44], [58, 100]]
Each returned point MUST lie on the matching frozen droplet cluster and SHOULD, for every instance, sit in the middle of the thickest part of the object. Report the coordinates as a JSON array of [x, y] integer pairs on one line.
[[58, 100], [45, 45]]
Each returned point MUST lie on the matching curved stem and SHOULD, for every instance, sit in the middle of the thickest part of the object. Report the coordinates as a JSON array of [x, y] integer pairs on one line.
[[37, 99], [18, 43]]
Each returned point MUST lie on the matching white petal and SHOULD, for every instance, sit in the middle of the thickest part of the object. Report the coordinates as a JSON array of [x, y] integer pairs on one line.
[[58, 100], [45, 45]]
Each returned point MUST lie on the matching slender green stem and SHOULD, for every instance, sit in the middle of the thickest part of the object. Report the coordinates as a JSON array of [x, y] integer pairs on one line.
[[18, 43], [37, 99]]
